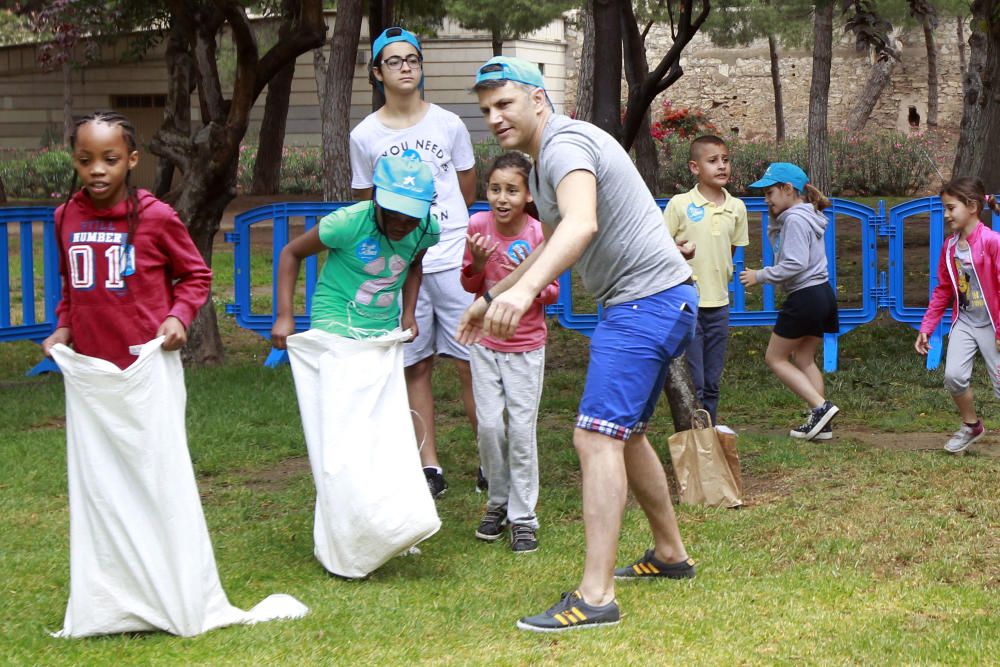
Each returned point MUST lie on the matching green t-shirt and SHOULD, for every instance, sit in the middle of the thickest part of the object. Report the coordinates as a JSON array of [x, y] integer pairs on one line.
[[357, 294]]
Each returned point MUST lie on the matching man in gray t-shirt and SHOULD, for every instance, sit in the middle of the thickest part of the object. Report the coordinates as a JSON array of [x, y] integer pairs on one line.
[[600, 218]]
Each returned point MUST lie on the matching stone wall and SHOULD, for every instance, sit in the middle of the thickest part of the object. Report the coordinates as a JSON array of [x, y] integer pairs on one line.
[[733, 86]]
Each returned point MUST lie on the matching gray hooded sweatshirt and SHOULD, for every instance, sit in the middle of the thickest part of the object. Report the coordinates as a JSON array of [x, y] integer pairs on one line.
[[800, 254]]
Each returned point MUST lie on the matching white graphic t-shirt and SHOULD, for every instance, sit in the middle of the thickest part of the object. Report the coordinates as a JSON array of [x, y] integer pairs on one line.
[[444, 145]]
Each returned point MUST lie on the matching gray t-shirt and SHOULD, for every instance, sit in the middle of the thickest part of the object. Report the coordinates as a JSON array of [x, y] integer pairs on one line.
[[971, 303], [632, 255]]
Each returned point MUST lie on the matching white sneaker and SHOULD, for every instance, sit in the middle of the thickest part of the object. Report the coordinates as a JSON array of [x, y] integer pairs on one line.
[[965, 436]]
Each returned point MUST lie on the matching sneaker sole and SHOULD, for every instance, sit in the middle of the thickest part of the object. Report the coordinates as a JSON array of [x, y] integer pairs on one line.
[[580, 626], [824, 436], [966, 445], [488, 538], [525, 551], [632, 577]]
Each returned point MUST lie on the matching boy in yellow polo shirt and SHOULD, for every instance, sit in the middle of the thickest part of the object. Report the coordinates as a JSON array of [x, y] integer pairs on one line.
[[716, 223]]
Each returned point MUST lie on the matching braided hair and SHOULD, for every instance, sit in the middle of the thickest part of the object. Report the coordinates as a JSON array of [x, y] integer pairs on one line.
[[110, 117]]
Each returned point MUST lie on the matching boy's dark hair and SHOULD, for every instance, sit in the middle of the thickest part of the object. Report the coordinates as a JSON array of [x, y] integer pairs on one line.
[[128, 133], [970, 190], [520, 163], [704, 140]]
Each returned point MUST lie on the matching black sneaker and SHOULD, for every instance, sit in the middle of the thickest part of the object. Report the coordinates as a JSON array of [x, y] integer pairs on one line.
[[569, 613], [650, 567], [481, 483], [435, 482], [818, 418], [491, 527], [522, 538], [825, 433]]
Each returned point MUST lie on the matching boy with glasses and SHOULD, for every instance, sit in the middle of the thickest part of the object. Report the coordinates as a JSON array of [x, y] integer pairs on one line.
[[409, 123]]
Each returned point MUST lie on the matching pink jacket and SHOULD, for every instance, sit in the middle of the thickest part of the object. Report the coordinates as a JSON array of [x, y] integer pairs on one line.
[[984, 244], [531, 333]]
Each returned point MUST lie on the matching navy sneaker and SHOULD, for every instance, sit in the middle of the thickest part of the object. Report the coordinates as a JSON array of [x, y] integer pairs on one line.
[[492, 525], [818, 418], [570, 613], [651, 567], [522, 538], [435, 482]]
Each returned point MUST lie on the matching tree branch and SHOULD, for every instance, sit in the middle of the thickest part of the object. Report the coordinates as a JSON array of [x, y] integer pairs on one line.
[[309, 33], [246, 62]]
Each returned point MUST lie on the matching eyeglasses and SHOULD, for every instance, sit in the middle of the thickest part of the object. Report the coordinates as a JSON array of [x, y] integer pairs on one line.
[[395, 62]]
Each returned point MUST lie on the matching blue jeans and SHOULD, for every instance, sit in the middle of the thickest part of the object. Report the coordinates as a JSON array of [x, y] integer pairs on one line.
[[706, 355]]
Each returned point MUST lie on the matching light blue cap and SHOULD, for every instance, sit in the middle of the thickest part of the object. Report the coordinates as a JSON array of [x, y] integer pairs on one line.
[[404, 184], [510, 69], [782, 172], [394, 34]]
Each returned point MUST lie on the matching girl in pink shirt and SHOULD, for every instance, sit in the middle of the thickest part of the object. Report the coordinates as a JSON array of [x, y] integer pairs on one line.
[[507, 374]]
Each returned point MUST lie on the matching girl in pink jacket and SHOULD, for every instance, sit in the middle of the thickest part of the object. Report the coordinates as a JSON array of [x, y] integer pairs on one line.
[[969, 282]]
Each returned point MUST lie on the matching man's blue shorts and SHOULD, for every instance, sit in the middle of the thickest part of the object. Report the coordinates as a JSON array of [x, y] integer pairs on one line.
[[630, 352]]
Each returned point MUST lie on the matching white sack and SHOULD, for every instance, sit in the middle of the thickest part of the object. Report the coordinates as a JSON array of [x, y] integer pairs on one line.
[[140, 555], [372, 500]]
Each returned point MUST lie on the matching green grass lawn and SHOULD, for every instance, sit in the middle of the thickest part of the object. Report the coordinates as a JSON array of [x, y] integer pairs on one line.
[[846, 552]]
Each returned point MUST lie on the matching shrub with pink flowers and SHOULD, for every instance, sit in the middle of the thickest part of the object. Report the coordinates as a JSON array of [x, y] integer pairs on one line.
[[680, 122]]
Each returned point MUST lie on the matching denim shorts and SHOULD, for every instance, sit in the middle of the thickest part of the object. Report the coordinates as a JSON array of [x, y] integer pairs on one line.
[[630, 352]]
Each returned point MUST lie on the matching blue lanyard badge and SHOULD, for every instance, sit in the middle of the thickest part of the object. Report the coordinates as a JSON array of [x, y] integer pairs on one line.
[[126, 261]]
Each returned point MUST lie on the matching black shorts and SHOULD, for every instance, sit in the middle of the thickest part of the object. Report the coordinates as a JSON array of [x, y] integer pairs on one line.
[[810, 311]]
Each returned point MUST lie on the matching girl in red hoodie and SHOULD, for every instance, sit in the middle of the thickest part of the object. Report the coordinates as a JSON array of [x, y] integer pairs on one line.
[[130, 270], [969, 282]]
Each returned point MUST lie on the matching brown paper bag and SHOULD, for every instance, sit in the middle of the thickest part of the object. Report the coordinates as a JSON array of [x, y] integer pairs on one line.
[[702, 464]]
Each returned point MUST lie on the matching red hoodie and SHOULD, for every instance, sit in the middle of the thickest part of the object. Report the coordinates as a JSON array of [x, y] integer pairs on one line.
[[106, 312]]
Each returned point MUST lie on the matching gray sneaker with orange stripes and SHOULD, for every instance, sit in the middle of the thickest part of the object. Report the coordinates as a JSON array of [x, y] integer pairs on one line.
[[650, 567], [570, 613]]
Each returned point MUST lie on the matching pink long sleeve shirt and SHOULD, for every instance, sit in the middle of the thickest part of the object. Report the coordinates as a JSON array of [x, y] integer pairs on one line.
[[531, 332]]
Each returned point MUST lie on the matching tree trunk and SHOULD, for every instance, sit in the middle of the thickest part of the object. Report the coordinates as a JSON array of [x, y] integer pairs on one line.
[[208, 157], [878, 77], [819, 96], [271, 138], [636, 71], [980, 131], [496, 38], [932, 75], [380, 17], [585, 72], [177, 115], [960, 34], [608, 68], [335, 101], [779, 102], [3, 192], [67, 77], [681, 393]]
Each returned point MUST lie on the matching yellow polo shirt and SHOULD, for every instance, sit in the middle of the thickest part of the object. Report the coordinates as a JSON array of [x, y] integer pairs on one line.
[[714, 230]]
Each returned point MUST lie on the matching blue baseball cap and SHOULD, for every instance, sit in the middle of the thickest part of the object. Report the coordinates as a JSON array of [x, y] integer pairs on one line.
[[510, 69], [507, 68], [404, 184], [782, 172], [394, 34]]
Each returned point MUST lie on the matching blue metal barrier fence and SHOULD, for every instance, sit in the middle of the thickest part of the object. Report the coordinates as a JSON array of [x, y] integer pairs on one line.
[[880, 292], [33, 229]]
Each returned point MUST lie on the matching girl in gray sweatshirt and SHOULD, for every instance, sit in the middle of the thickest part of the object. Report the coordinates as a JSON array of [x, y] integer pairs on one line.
[[795, 230]]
